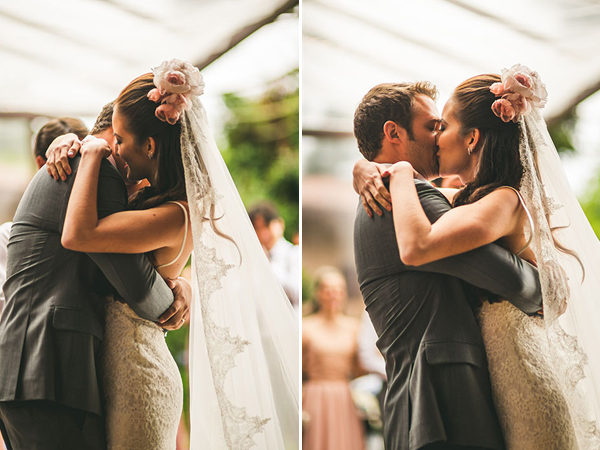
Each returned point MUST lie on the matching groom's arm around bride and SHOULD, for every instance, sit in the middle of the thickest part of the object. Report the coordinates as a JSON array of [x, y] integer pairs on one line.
[[53, 320]]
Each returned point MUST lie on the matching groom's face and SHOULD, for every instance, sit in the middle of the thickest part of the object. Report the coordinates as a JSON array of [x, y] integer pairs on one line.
[[421, 150]]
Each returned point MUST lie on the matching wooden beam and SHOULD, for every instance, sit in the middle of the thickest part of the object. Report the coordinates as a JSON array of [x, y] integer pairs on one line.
[[326, 133], [575, 100]]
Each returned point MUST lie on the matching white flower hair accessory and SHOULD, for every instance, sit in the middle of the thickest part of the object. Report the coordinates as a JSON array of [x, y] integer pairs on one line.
[[520, 90], [176, 81]]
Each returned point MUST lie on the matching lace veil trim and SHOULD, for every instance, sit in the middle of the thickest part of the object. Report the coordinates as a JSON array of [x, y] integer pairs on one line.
[[555, 211], [243, 362]]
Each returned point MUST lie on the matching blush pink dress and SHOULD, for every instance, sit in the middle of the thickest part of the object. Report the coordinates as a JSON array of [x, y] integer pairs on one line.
[[329, 360]]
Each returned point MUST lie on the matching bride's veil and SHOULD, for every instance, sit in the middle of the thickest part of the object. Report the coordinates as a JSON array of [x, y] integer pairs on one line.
[[560, 221], [244, 345]]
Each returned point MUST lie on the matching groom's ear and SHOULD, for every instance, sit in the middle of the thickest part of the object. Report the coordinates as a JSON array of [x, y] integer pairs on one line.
[[394, 132]]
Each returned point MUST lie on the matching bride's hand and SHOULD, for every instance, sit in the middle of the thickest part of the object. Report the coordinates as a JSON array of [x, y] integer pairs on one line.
[[368, 183], [95, 147], [57, 156]]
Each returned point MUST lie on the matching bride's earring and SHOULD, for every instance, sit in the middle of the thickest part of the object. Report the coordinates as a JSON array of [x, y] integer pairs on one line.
[[470, 149], [150, 156]]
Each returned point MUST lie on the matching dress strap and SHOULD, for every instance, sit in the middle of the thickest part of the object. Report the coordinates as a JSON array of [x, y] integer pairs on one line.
[[185, 213], [531, 225]]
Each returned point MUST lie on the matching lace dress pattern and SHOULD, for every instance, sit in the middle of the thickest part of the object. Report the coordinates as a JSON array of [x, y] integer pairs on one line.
[[141, 383], [531, 407]]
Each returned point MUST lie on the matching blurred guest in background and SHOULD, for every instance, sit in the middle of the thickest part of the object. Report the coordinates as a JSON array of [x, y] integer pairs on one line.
[[53, 129], [284, 256], [329, 362]]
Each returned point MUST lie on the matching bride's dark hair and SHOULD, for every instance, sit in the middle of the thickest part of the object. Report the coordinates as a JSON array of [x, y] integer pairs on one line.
[[499, 161], [141, 121]]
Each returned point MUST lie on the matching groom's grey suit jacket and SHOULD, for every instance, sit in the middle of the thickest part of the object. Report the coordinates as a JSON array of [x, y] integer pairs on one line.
[[53, 320], [438, 382]]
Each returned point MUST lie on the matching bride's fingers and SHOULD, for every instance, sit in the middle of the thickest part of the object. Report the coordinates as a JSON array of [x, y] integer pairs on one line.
[[380, 197], [64, 161], [366, 206], [62, 173], [51, 168], [372, 203], [74, 148], [381, 193]]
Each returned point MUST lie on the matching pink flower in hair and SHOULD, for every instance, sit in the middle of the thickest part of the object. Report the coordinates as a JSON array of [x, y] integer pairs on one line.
[[178, 77], [175, 78], [154, 95], [504, 109], [498, 89], [177, 100], [523, 80], [520, 104], [168, 113], [522, 88], [176, 82]]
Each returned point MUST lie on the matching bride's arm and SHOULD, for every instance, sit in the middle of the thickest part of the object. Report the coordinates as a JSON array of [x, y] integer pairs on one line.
[[459, 230], [122, 232]]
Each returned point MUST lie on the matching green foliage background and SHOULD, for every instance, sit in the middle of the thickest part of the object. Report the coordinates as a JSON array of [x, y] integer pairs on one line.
[[591, 205], [562, 136], [262, 150]]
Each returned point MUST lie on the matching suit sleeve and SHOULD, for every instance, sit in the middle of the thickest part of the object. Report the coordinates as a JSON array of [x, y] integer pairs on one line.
[[133, 276], [490, 267]]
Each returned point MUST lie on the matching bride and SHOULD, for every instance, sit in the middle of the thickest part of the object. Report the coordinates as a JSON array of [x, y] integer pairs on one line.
[[243, 339], [544, 371]]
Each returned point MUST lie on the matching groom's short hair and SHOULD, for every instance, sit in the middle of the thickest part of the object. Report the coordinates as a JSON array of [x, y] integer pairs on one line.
[[387, 101]]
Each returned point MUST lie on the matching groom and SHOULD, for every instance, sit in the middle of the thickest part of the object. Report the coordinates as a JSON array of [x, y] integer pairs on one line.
[[438, 394], [52, 324]]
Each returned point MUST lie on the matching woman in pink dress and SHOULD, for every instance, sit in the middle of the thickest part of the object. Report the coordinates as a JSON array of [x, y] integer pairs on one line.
[[329, 362]]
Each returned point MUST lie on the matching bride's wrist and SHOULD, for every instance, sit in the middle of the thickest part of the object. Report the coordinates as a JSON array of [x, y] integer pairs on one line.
[[401, 168], [96, 148], [91, 153]]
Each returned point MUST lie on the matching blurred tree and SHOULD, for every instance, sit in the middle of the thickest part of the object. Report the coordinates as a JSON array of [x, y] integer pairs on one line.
[[262, 147], [591, 205], [562, 129], [307, 290]]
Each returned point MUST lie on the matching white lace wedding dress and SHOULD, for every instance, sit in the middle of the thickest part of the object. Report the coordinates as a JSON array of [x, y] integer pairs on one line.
[[532, 409], [141, 382]]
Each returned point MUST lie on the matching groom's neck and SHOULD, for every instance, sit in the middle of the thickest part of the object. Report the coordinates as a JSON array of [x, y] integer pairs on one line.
[[390, 162]]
